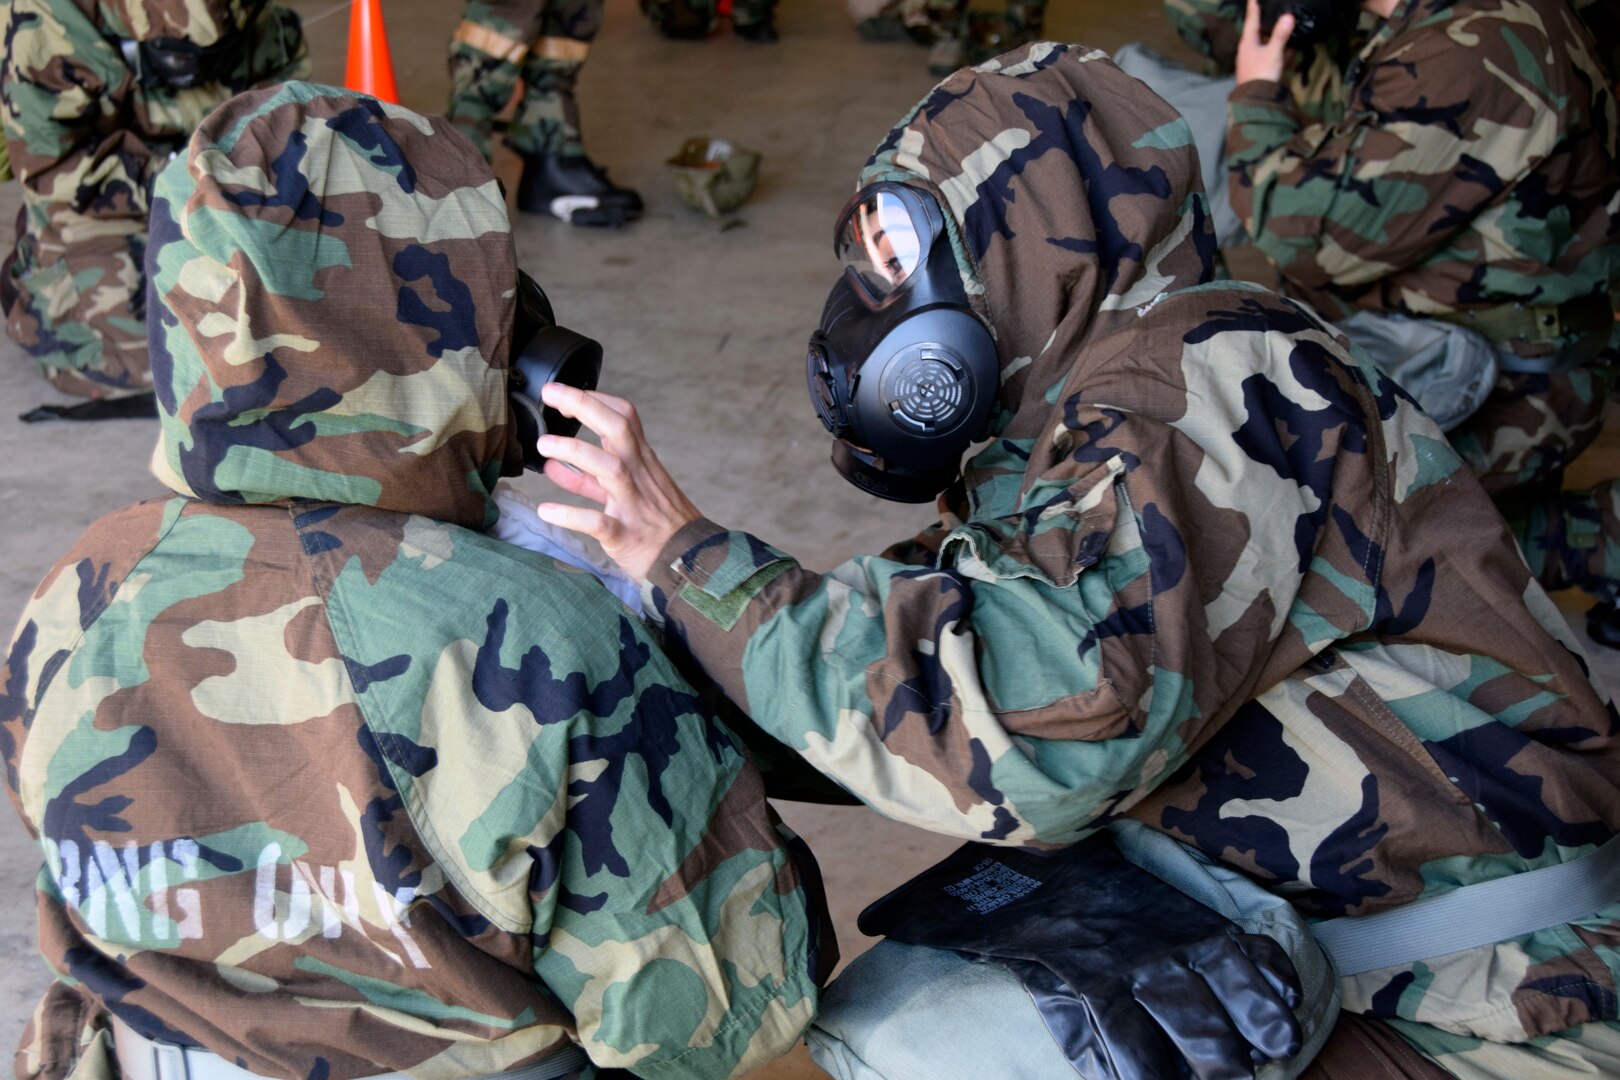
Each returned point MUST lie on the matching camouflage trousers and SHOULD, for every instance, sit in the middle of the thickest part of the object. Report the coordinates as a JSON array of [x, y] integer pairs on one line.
[[1519, 442], [538, 44]]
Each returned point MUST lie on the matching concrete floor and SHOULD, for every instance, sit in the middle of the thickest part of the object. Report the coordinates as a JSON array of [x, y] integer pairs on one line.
[[704, 329]]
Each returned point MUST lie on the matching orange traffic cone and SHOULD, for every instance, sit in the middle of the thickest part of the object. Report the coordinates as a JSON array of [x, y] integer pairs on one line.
[[371, 68]]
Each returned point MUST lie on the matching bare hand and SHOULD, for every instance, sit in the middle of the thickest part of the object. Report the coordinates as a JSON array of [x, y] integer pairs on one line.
[[1258, 59], [642, 508]]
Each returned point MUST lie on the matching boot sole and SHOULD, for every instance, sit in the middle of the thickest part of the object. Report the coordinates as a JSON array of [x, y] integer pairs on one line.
[[569, 208]]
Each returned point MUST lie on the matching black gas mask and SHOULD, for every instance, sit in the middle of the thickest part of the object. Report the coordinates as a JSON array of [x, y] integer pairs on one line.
[[180, 64], [1314, 20], [901, 371], [545, 352]]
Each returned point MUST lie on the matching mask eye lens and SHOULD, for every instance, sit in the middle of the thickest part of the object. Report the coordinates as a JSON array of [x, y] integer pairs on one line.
[[881, 243]]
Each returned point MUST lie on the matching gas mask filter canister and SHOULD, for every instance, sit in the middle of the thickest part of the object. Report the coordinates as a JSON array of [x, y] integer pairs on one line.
[[545, 352]]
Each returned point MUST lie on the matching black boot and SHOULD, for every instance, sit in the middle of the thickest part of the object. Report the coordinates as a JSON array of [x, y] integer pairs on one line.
[[680, 19], [760, 32], [1603, 623], [574, 189]]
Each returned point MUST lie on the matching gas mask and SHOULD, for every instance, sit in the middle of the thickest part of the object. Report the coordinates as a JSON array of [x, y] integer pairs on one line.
[[1314, 20], [901, 371], [545, 352]]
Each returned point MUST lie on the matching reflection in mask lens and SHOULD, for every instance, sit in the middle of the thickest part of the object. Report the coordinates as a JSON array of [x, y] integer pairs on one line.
[[880, 243]]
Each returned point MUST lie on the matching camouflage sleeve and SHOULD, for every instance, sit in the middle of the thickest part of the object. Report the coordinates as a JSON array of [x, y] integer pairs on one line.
[[63, 85], [873, 673], [1210, 26], [1437, 132], [618, 824], [1045, 671]]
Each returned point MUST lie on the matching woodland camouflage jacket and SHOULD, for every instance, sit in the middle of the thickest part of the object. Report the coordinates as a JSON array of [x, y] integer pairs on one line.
[[1467, 160], [1211, 574], [327, 780], [87, 138]]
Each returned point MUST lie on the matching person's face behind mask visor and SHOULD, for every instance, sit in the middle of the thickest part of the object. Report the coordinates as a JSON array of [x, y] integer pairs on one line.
[[901, 370]]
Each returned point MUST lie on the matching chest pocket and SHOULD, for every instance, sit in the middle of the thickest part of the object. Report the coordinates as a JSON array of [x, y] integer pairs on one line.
[[1050, 540], [1038, 627]]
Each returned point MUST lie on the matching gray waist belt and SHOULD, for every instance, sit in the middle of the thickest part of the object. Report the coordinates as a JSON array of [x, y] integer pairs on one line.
[[1480, 914], [140, 1058]]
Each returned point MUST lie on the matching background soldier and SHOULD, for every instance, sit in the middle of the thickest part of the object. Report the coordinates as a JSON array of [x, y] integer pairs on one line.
[[1438, 195], [97, 97], [1448, 202], [539, 45]]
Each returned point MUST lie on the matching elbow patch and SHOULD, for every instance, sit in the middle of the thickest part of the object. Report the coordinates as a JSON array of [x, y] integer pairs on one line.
[[724, 611], [724, 572]]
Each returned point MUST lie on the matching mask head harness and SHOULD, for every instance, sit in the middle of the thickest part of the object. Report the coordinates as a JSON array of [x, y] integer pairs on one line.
[[1314, 20], [545, 352], [901, 370]]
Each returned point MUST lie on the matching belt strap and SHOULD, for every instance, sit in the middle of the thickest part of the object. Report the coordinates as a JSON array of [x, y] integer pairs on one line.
[[1507, 323], [1480, 914], [140, 1058]]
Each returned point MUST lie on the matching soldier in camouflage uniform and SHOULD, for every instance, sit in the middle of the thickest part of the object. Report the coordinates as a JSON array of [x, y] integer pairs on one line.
[[1210, 573], [540, 46], [328, 781], [1436, 169], [91, 120]]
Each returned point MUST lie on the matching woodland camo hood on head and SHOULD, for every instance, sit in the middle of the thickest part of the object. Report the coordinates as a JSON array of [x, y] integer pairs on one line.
[[201, 22], [1072, 195], [332, 286]]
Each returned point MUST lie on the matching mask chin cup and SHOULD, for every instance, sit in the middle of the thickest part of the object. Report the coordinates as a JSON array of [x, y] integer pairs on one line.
[[554, 354], [867, 472]]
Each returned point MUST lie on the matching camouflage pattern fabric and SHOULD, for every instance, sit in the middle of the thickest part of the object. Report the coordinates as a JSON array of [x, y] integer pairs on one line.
[[327, 780], [86, 140], [1210, 573], [1438, 193], [1471, 165], [539, 45]]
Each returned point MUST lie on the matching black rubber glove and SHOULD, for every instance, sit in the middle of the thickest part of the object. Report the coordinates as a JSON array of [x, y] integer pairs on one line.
[[1135, 979]]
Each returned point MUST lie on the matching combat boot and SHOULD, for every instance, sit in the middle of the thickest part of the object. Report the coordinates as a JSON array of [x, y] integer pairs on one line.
[[1603, 624], [761, 32], [574, 189]]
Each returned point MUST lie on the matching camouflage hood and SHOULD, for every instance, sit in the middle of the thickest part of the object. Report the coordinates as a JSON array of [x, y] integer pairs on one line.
[[201, 22], [332, 286], [1073, 198]]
